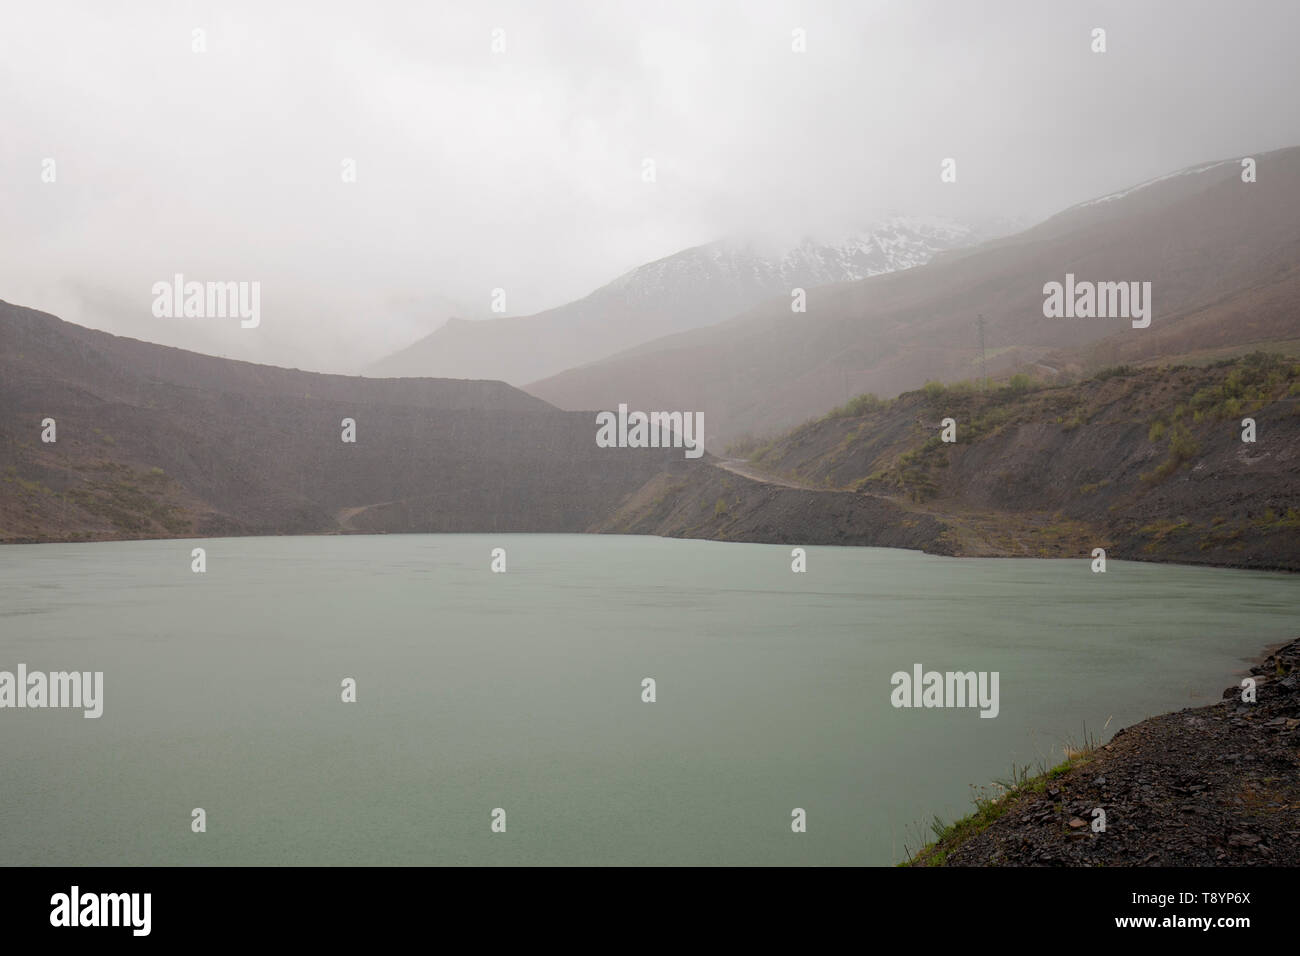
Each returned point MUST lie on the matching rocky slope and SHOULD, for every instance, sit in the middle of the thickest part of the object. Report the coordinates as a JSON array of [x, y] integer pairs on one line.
[[1209, 786], [1147, 463]]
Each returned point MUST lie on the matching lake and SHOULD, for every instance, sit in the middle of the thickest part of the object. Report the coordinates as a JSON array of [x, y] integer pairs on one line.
[[523, 691]]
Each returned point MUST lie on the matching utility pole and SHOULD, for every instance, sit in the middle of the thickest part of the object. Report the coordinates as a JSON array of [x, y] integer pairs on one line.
[[844, 374], [984, 364]]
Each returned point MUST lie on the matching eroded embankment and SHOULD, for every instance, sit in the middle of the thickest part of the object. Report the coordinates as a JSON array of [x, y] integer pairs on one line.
[[711, 502], [1183, 465]]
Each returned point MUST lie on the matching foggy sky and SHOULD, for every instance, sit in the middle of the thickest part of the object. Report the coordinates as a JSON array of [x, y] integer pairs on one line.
[[522, 169]]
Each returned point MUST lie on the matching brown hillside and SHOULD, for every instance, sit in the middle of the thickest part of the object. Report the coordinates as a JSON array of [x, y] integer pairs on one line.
[[1221, 255], [1147, 463], [158, 442]]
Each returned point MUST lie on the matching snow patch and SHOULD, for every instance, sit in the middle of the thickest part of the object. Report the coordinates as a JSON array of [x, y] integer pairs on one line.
[[1191, 171]]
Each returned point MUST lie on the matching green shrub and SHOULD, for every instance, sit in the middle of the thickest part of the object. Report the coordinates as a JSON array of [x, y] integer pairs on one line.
[[857, 406], [1113, 372], [1019, 384]]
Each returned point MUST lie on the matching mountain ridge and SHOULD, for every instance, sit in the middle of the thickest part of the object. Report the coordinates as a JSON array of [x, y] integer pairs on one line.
[[1201, 239], [694, 286], [153, 441]]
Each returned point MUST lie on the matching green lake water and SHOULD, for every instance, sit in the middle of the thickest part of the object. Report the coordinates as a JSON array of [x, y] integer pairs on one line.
[[523, 691]]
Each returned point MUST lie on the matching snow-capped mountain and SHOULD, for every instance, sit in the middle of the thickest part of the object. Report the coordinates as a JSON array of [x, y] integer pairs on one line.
[[689, 289], [1219, 250], [748, 266]]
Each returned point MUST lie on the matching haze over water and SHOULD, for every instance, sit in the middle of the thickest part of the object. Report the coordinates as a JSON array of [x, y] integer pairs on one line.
[[523, 691]]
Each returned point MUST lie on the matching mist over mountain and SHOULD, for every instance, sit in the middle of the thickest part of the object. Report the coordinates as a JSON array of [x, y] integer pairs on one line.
[[1220, 254], [158, 441], [723, 433], [695, 287]]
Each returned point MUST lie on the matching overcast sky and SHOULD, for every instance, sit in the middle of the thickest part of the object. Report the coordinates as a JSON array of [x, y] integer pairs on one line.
[[523, 169]]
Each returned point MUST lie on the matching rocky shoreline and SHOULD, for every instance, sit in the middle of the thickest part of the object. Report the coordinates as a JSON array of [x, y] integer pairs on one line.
[[1208, 786]]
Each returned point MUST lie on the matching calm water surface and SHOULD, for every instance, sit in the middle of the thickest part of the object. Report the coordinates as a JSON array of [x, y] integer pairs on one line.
[[523, 691]]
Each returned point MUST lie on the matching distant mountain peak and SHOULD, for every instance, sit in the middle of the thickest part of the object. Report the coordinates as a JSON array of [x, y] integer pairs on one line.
[[770, 267], [1219, 251], [695, 287]]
